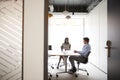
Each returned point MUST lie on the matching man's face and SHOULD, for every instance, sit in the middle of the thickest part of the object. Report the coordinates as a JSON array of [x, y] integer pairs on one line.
[[85, 42]]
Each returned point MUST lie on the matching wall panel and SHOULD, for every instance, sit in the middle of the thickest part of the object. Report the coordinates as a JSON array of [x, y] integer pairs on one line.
[[11, 40]]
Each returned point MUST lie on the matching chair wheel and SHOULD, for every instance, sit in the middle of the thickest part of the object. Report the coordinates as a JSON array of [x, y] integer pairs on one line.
[[88, 74], [49, 79], [57, 67], [52, 67], [50, 75], [76, 75], [56, 75]]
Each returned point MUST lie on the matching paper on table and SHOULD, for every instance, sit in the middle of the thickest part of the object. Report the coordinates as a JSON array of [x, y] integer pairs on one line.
[[67, 53]]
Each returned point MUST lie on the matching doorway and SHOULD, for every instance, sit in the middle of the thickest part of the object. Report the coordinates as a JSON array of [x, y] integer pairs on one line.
[[95, 26]]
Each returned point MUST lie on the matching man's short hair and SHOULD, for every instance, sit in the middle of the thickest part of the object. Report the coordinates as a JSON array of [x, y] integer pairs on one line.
[[86, 39]]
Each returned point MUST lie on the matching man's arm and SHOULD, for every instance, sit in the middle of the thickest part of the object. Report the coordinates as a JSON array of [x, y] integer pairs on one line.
[[84, 51]]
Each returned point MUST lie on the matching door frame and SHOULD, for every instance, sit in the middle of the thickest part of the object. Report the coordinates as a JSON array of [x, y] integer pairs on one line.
[[22, 40], [45, 61]]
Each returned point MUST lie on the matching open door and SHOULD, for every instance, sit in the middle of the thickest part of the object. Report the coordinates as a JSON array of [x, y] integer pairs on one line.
[[114, 37]]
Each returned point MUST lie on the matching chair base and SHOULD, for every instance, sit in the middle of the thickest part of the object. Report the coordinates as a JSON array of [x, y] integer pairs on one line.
[[61, 73], [49, 76], [81, 69]]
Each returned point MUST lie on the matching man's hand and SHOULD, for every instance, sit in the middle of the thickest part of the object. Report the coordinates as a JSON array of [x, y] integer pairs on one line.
[[75, 51]]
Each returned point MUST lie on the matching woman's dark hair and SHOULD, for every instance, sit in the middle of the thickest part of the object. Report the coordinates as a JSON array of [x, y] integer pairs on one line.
[[86, 39], [65, 40]]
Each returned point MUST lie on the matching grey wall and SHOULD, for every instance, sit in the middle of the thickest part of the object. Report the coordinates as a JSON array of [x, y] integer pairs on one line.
[[114, 37]]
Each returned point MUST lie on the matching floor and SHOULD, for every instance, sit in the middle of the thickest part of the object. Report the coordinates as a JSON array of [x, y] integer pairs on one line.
[[94, 73]]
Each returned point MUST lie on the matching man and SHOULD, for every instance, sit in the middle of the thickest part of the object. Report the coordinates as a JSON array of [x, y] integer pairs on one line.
[[83, 54]]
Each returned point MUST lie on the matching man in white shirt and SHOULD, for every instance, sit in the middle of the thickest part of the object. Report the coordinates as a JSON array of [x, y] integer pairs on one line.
[[83, 54]]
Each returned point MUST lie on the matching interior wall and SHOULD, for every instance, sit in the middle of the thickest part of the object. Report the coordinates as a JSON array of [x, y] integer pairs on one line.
[[33, 39], [60, 27], [96, 30], [103, 37], [11, 40]]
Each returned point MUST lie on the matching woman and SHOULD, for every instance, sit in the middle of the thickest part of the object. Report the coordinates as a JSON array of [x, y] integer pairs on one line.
[[65, 46]]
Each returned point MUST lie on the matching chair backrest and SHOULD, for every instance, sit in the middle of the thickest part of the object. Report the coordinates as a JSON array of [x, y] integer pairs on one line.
[[86, 61], [49, 47], [88, 53]]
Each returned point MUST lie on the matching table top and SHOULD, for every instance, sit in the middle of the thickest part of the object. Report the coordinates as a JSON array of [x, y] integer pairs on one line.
[[62, 53]]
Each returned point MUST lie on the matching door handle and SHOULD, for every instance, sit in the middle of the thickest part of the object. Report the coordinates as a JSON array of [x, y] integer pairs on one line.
[[108, 52], [108, 44]]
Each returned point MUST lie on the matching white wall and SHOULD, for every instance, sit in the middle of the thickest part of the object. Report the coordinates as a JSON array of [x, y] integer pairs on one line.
[[33, 39], [73, 28], [10, 40], [96, 29]]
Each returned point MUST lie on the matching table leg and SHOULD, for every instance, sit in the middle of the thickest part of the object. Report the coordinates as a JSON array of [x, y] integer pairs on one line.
[[65, 61]]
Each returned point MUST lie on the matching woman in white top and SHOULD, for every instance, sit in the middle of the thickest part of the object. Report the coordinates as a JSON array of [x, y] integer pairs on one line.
[[65, 46]]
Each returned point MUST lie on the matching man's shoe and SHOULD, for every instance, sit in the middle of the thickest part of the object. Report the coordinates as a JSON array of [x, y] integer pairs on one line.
[[73, 70]]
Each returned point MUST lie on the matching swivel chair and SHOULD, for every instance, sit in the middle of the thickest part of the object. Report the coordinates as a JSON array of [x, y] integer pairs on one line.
[[78, 63], [49, 74]]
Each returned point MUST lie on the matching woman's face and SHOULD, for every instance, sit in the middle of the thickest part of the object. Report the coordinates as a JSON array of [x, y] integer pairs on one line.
[[66, 40]]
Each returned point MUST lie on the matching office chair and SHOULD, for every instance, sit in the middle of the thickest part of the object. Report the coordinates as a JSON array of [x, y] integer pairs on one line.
[[51, 65], [78, 63], [49, 76]]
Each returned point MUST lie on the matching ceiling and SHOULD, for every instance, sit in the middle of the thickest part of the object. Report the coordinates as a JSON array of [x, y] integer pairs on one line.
[[74, 5]]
